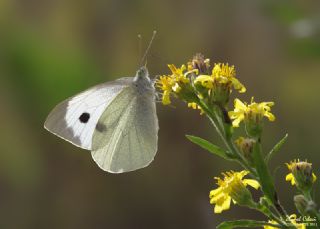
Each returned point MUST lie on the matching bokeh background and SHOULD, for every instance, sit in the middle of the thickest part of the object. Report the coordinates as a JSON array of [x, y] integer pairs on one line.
[[53, 49]]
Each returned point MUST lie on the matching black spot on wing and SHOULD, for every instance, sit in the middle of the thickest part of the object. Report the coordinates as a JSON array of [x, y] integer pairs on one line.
[[84, 117], [100, 127]]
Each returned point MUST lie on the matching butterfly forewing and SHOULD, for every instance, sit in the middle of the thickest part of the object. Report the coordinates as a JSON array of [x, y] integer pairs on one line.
[[126, 134], [75, 119]]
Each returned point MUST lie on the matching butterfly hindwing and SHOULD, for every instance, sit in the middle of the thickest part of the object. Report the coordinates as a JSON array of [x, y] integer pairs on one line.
[[127, 132], [75, 119]]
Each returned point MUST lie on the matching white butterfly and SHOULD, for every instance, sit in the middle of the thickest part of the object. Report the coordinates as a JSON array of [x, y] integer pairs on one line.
[[116, 120]]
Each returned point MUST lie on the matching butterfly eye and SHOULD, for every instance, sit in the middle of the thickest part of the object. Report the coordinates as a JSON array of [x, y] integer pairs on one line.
[[84, 117]]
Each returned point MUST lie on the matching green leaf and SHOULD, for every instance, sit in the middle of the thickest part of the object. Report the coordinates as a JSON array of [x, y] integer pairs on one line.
[[209, 146], [265, 178], [244, 223], [276, 148]]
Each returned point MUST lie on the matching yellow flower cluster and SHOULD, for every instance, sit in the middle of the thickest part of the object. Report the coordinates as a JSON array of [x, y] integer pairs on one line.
[[232, 187], [196, 80], [212, 86], [253, 112]]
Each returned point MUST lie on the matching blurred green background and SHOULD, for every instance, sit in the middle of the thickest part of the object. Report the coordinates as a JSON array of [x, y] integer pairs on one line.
[[53, 49]]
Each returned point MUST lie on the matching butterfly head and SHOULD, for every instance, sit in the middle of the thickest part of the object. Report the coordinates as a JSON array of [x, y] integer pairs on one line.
[[142, 80], [142, 74]]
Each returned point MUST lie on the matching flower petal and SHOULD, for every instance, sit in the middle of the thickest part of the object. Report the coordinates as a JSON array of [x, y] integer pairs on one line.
[[225, 205], [270, 116], [290, 177], [215, 191], [205, 80], [166, 98], [237, 121], [237, 85], [253, 183]]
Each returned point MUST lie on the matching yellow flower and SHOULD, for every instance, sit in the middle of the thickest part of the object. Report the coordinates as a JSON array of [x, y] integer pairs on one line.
[[218, 86], [225, 74], [222, 75], [232, 187], [292, 218], [177, 73], [165, 83], [301, 174], [223, 70], [252, 112], [174, 83]]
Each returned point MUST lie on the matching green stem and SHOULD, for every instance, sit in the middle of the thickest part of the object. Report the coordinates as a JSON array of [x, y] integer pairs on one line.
[[267, 212], [307, 195], [230, 146], [265, 178]]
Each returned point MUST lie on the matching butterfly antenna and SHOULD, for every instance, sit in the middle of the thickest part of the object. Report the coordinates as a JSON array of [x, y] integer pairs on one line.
[[143, 59], [140, 46]]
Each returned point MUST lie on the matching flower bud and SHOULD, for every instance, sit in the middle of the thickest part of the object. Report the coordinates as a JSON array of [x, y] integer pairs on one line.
[[200, 64], [246, 147], [301, 175], [303, 205]]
